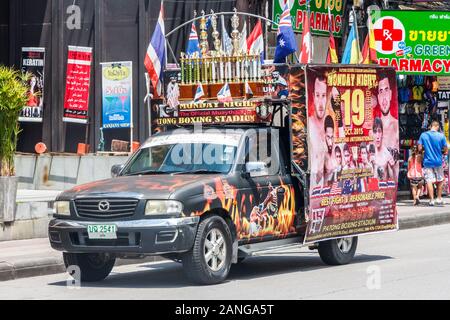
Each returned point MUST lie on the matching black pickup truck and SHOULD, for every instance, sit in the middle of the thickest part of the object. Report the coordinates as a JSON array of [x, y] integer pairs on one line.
[[205, 199]]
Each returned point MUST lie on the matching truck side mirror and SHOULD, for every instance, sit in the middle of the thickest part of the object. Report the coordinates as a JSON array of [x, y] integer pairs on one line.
[[115, 169], [255, 169]]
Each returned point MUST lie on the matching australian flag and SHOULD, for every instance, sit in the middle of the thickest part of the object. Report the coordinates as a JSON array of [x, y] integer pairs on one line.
[[193, 44], [286, 43]]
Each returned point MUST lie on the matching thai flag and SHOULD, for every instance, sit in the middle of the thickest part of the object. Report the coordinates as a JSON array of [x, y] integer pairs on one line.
[[155, 57], [193, 44], [335, 189], [286, 43], [382, 185], [255, 41], [325, 191], [224, 95], [316, 191], [199, 92], [390, 184]]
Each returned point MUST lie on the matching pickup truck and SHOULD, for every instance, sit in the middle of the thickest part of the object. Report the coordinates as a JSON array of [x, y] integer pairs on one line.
[[206, 199]]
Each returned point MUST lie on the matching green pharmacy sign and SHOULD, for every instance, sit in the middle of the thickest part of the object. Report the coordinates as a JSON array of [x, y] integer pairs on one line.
[[319, 18], [414, 42]]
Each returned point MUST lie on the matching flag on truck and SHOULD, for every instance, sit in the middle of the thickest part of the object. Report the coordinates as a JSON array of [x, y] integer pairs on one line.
[[224, 95], [352, 52], [227, 46], [193, 44], [155, 56], [255, 41], [369, 51], [243, 39], [307, 47], [286, 43], [248, 90], [332, 53], [199, 92]]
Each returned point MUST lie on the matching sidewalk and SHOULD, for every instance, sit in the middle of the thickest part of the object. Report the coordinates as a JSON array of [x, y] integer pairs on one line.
[[30, 258]]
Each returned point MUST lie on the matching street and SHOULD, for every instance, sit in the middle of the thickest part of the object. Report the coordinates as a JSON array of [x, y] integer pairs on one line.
[[409, 264]]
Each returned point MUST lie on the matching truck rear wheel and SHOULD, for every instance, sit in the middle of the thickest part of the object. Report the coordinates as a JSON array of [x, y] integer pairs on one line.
[[209, 260], [93, 266], [338, 251]]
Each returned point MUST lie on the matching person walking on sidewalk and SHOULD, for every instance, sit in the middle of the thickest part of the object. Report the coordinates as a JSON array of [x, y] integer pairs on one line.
[[415, 174], [435, 145]]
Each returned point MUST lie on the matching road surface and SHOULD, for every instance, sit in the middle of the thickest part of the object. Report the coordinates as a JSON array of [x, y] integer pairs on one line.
[[409, 264]]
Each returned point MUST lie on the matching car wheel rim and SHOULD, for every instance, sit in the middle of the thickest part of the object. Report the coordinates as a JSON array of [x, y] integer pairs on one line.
[[345, 244], [215, 249]]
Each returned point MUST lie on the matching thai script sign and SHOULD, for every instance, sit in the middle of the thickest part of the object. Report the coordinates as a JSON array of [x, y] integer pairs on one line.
[[413, 42]]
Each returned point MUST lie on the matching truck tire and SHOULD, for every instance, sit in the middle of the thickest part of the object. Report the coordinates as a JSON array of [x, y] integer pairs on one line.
[[209, 260], [93, 266], [338, 251]]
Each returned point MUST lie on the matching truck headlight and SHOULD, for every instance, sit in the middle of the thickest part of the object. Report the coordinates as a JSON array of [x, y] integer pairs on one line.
[[163, 207], [61, 208]]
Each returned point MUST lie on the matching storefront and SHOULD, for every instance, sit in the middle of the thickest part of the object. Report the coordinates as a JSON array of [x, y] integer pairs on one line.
[[421, 99]]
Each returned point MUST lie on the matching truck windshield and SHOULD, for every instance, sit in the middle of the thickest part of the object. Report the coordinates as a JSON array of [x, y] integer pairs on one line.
[[184, 154]]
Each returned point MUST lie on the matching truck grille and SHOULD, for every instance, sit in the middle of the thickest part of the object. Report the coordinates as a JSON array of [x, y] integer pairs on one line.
[[106, 208]]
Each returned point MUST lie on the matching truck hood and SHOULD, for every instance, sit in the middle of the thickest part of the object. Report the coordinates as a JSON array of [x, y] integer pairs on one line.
[[142, 187]]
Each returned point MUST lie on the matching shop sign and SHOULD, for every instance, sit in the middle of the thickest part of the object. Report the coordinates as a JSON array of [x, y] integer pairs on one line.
[[444, 83], [413, 42], [33, 62], [117, 91], [76, 98], [319, 18]]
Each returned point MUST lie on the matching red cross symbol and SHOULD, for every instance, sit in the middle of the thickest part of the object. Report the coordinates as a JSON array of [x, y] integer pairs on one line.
[[388, 35]]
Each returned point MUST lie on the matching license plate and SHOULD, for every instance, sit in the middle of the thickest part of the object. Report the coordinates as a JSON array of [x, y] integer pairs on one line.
[[102, 231]]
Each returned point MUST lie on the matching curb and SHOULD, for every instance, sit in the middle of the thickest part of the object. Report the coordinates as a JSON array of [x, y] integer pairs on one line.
[[47, 266], [423, 220]]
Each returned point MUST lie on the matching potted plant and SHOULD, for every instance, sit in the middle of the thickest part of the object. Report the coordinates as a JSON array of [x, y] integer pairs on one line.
[[13, 96]]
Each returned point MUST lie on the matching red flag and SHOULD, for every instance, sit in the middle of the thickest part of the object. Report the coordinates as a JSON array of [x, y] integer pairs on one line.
[[306, 53], [332, 53], [255, 42], [369, 52]]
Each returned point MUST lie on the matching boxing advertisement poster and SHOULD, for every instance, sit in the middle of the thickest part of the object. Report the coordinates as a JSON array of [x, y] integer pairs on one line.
[[76, 98], [353, 147], [33, 62]]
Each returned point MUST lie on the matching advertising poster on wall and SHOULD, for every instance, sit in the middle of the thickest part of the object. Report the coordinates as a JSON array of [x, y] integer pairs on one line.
[[319, 18], [353, 151], [76, 98], [117, 87], [33, 62], [413, 42]]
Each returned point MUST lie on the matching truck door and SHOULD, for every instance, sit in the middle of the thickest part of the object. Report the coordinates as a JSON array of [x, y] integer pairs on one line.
[[269, 210]]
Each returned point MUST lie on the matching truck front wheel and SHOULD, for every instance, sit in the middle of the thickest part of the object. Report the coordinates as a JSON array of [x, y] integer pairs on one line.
[[338, 251], [209, 260], [93, 266]]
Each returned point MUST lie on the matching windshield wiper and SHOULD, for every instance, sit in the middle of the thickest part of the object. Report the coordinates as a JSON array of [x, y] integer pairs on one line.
[[198, 171], [148, 172]]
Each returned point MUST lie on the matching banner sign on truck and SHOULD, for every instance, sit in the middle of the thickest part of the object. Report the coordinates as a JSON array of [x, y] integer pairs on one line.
[[76, 98], [319, 18], [117, 86], [353, 145], [33, 62], [413, 42]]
